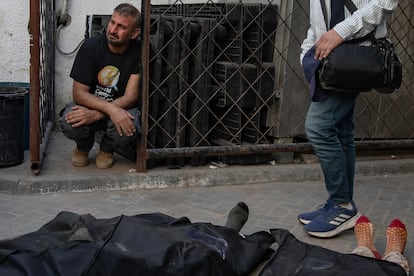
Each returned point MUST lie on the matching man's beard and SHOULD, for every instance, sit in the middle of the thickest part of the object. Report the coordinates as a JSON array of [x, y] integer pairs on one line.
[[116, 43]]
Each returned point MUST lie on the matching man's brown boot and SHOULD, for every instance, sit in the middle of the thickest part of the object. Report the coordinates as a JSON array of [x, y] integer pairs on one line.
[[80, 158], [104, 160]]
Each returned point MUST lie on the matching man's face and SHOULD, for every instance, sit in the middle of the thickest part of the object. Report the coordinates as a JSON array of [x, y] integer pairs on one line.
[[121, 29]]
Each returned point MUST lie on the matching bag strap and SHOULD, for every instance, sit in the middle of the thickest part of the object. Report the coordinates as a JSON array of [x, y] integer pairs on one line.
[[348, 3], [325, 14], [350, 6]]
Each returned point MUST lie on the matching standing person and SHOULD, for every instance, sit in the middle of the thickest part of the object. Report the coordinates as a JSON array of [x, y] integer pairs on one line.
[[105, 90], [329, 122]]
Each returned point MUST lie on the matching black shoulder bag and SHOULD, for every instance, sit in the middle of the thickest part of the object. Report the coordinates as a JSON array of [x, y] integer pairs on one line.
[[357, 68]]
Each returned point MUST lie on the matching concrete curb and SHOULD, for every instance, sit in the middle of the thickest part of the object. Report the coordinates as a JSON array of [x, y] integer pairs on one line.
[[188, 177]]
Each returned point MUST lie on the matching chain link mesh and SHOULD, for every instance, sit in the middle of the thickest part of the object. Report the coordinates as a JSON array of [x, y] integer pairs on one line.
[[225, 74]]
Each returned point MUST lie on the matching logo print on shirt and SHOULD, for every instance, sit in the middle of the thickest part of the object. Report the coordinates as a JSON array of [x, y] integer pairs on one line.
[[108, 79], [109, 76]]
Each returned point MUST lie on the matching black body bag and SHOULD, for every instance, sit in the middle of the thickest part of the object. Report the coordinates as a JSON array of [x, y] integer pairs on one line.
[[296, 258], [352, 67]]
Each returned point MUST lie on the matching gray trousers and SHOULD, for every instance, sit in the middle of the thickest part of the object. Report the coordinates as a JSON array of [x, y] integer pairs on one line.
[[395, 257], [103, 132]]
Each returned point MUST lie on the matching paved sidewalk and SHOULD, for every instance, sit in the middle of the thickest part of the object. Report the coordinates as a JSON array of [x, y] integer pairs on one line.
[[272, 205], [58, 175], [275, 193]]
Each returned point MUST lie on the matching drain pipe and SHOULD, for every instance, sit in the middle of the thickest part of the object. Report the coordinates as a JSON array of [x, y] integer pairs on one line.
[[34, 35]]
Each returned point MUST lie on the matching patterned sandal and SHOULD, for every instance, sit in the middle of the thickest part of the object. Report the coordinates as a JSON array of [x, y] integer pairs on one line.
[[396, 237], [364, 231]]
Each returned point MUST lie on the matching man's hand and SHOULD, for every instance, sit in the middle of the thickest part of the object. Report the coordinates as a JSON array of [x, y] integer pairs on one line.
[[80, 115], [328, 41], [123, 121]]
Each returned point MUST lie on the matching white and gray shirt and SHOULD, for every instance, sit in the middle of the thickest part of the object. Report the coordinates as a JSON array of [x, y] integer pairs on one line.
[[371, 14]]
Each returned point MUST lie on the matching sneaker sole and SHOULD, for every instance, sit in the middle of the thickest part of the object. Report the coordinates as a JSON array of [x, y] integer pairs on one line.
[[304, 221], [345, 226]]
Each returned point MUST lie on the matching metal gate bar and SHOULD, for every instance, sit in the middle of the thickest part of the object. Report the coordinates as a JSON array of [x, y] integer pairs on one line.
[[269, 148], [41, 30], [34, 33], [142, 154]]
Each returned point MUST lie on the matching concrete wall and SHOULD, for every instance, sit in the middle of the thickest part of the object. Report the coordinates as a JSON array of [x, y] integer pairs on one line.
[[14, 41]]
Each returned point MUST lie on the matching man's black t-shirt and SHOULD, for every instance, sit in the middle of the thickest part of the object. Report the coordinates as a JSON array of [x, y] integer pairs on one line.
[[106, 73]]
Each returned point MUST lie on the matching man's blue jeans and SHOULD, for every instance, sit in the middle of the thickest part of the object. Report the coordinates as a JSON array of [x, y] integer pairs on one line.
[[330, 129]]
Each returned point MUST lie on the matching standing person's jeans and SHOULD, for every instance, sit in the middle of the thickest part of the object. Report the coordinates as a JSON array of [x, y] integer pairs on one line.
[[330, 129], [109, 140]]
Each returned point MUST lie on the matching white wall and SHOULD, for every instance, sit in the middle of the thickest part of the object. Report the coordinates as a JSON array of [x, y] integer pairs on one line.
[[14, 41]]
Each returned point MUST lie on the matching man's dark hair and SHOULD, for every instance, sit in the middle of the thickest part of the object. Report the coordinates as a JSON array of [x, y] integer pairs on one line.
[[126, 9]]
